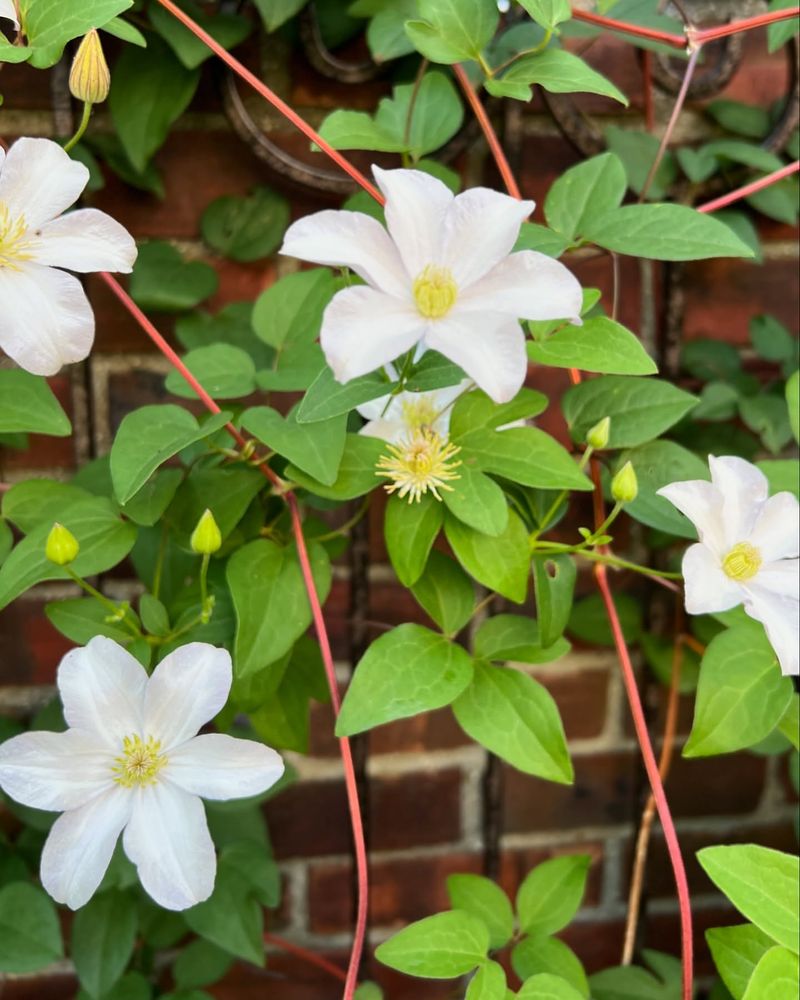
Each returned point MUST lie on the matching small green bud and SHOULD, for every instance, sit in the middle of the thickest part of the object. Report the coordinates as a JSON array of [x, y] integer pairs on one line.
[[625, 486], [62, 546], [206, 537], [597, 437], [89, 78]]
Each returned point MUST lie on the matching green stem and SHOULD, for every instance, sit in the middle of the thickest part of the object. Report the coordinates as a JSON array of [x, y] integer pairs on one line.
[[487, 69], [87, 114], [117, 610], [158, 572], [204, 580], [527, 52]]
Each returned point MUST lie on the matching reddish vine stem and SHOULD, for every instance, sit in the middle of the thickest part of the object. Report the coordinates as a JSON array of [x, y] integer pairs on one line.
[[269, 95], [491, 136], [701, 35], [356, 821], [751, 188], [307, 956]]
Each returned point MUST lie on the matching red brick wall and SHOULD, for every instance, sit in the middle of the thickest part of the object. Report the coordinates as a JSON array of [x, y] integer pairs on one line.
[[426, 798]]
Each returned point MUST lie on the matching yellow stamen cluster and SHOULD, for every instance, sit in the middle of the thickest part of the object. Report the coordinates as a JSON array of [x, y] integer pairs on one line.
[[742, 562], [13, 238], [421, 463], [419, 413], [139, 762], [435, 291]]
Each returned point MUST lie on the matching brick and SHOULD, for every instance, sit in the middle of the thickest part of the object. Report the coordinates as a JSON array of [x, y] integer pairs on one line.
[[45, 451], [309, 818], [30, 648], [700, 787], [516, 863], [581, 700], [401, 890], [663, 932], [44, 986], [286, 976]]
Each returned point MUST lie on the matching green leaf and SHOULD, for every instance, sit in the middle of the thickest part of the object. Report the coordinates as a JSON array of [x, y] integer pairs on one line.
[[49, 26], [741, 694], [535, 237], [274, 13], [514, 637], [452, 30], [525, 455], [778, 200], [790, 722], [315, 448], [664, 232], [589, 621], [357, 473], [762, 884], [82, 618], [290, 311], [546, 986], [150, 436], [583, 192], [224, 490], [600, 345], [104, 541], [103, 936], [554, 585], [776, 975], [558, 71], [640, 409], [200, 964], [227, 29], [444, 946], [120, 28], [246, 229], [637, 151], [780, 32], [512, 715], [767, 415], [272, 609], [232, 918], [328, 398], [782, 474], [697, 164], [541, 953], [477, 500], [748, 120], [30, 935], [437, 115], [150, 89], [548, 13], [488, 983], [39, 501], [164, 282], [476, 411], [410, 530], [225, 372], [747, 153], [27, 404], [657, 464], [485, 900], [549, 897], [445, 591], [736, 952], [404, 672], [772, 340], [629, 982], [500, 563]]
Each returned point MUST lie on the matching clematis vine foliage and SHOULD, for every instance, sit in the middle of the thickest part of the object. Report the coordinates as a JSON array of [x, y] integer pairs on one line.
[[432, 363]]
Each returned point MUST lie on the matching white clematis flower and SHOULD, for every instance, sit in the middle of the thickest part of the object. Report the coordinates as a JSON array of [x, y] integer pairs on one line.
[[9, 11], [395, 418], [747, 553], [442, 278], [46, 320], [131, 763]]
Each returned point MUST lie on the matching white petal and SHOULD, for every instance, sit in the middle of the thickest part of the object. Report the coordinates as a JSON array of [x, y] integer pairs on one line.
[[776, 533], [8, 10], [781, 577], [387, 430], [39, 181], [780, 616], [416, 205], [46, 320], [55, 771], [527, 285], [743, 488], [701, 502], [349, 239], [186, 690], [707, 588], [488, 346], [86, 240], [216, 766], [80, 844], [363, 329], [384, 407], [102, 689], [480, 229], [167, 839]]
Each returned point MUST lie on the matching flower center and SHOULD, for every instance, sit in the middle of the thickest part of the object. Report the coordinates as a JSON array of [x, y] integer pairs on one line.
[[742, 562], [13, 238], [419, 413], [420, 463], [139, 762], [435, 291]]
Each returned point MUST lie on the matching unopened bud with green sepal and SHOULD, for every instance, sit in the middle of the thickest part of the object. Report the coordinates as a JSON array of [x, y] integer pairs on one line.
[[62, 546], [206, 537], [597, 437], [625, 486]]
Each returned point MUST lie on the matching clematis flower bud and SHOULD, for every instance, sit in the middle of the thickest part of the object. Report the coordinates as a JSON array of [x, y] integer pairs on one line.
[[597, 437], [625, 486], [89, 78], [206, 537], [62, 546]]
